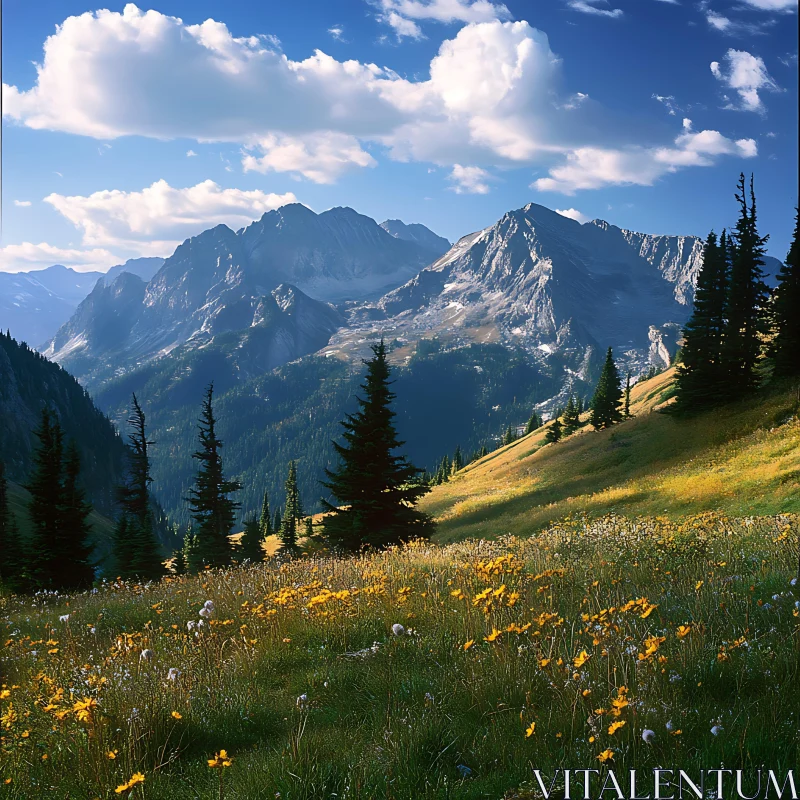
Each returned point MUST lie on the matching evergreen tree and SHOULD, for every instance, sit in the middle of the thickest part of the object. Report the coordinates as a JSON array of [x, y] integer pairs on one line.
[[293, 513], [510, 435], [747, 295], [277, 521], [376, 490], [458, 461], [699, 373], [309, 528], [191, 553], [250, 544], [554, 432], [580, 405], [571, 418], [75, 567], [534, 422], [483, 451], [607, 396], [12, 563], [211, 508], [785, 350], [179, 562], [626, 408], [137, 553], [265, 521], [44, 508]]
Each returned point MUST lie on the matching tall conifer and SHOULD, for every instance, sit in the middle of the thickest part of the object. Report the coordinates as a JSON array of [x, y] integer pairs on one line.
[[607, 396], [265, 521], [375, 489], [571, 418], [785, 348], [293, 512], [75, 567], [250, 543], [555, 431], [211, 507], [747, 295], [12, 562]]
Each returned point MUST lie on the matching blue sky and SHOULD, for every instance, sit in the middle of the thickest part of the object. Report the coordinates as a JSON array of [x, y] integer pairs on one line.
[[128, 129]]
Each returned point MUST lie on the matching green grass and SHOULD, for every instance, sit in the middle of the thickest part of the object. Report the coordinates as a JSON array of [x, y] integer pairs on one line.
[[563, 624], [741, 459]]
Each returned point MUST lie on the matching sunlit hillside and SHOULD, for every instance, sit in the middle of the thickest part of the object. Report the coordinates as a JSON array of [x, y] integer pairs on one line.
[[742, 459]]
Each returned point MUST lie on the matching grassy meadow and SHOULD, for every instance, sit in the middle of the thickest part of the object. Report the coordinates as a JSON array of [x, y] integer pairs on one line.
[[423, 672], [742, 459]]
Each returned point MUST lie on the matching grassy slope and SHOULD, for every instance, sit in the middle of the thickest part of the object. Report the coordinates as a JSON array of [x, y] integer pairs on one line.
[[743, 459]]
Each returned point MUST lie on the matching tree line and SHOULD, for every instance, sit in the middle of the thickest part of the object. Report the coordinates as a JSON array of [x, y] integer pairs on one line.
[[372, 501]]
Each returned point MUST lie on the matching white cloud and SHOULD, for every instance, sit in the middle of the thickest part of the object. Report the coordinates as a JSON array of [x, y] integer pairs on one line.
[[22, 203], [773, 5], [155, 220], [190, 154], [572, 213], [337, 32], [321, 157], [593, 167], [28, 256], [470, 180], [747, 75], [493, 98], [400, 14], [596, 7], [668, 102]]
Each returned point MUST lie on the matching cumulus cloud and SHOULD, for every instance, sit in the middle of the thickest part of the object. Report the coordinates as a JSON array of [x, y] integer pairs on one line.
[[337, 32], [155, 220], [572, 213], [746, 74], [773, 5], [596, 7], [594, 167], [400, 14], [470, 180], [28, 256], [321, 157], [493, 96], [22, 203]]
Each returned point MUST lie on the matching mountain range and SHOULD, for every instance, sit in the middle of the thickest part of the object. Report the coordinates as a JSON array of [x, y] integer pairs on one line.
[[34, 305]]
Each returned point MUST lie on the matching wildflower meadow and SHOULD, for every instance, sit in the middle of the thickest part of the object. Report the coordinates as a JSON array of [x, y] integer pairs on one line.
[[419, 672]]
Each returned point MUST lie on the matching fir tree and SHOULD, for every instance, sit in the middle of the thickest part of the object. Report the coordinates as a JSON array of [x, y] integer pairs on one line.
[[191, 553], [211, 507], [293, 513], [699, 373], [785, 350], [554, 432], [747, 294], [581, 405], [250, 544], [137, 553], [277, 521], [75, 567], [607, 396], [376, 490], [626, 407], [12, 563], [179, 562], [265, 521], [458, 461], [44, 508], [309, 528], [571, 418], [534, 422]]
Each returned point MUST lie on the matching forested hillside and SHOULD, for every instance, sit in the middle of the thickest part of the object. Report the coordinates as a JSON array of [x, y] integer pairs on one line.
[[29, 383], [465, 397]]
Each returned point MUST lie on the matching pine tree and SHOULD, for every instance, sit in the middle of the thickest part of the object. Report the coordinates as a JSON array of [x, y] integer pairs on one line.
[[309, 528], [179, 562], [607, 396], [12, 563], [534, 422], [458, 461], [265, 521], [581, 406], [293, 512], [277, 521], [747, 295], [44, 508], [626, 408], [785, 350], [699, 373], [376, 490], [191, 553], [211, 508], [554, 432], [571, 418], [75, 567], [250, 544], [137, 552]]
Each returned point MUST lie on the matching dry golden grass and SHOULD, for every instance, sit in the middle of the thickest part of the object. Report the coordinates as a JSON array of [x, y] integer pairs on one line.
[[741, 459]]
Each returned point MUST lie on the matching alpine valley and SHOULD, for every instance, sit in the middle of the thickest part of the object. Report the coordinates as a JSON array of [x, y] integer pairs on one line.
[[279, 315]]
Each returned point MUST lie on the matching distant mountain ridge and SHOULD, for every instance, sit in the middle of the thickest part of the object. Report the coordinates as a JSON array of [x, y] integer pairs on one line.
[[34, 305]]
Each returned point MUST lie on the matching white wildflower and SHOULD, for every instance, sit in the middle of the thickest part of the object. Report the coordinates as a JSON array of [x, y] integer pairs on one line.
[[146, 655], [206, 612], [716, 730], [302, 700], [398, 629], [64, 618], [209, 604], [190, 625], [648, 735], [173, 674]]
